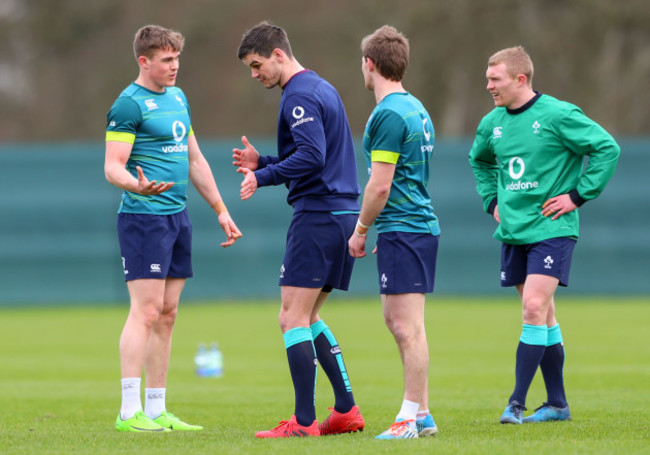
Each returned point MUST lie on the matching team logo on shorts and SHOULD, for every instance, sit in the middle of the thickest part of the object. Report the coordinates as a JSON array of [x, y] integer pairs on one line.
[[384, 280], [548, 262], [282, 271], [155, 268]]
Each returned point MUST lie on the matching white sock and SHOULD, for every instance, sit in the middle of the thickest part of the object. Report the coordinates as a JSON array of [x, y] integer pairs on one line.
[[422, 414], [130, 397], [409, 410], [154, 402]]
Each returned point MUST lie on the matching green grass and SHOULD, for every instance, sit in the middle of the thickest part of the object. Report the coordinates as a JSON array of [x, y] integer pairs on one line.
[[60, 392]]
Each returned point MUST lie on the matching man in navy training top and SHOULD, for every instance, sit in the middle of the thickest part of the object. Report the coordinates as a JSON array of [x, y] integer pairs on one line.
[[317, 164]]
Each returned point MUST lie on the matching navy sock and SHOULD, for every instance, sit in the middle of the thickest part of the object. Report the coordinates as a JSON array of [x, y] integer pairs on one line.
[[552, 366], [330, 358], [530, 351], [302, 364]]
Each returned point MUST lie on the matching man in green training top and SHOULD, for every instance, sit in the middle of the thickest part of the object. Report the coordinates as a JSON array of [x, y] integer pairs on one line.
[[528, 158]]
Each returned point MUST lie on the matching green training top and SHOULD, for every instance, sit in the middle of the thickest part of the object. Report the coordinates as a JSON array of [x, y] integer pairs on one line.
[[525, 156], [157, 125], [399, 131]]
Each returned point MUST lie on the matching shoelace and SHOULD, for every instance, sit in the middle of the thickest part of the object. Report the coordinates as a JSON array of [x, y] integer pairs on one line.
[[289, 427], [518, 411], [282, 424], [401, 426]]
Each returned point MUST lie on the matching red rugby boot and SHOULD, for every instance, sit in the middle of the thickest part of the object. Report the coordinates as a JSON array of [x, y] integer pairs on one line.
[[290, 428], [337, 423]]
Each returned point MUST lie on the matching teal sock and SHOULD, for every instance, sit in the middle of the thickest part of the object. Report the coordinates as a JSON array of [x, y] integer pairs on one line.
[[532, 344], [302, 364], [554, 335], [330, 358], [552, 366]]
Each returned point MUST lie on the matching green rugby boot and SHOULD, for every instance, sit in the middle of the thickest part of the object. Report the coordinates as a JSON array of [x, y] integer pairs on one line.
[[171, 422], [139, 423]]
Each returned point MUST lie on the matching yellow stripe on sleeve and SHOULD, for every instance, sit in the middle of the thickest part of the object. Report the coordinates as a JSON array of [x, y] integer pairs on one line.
[[384, 156], [191, 131], [120, 136]]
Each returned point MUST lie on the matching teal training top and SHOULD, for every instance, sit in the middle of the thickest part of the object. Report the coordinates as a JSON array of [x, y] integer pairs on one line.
[[157, 125], [399, 131], [525, 156]]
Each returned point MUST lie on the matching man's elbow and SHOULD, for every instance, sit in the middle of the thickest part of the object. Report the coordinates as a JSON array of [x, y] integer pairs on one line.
[[109, 174], [382, 191]]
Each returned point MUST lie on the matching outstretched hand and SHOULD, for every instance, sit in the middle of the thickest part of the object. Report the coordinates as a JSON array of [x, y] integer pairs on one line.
[[248, 185], [247, 157], [147, 188]]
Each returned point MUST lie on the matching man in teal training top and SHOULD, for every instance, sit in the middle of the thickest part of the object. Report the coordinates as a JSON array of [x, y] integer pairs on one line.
[[152, 154], [528, 158], [398, 145]]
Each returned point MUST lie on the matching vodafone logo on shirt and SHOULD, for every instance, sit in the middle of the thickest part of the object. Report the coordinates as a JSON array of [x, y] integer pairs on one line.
[[516, 169], [179, 131], [299, 114], [516, 175]]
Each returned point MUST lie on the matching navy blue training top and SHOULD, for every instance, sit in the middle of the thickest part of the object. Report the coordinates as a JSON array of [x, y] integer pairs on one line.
[[316, 159]]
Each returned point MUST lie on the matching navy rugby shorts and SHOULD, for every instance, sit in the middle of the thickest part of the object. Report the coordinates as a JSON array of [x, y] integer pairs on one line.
[[317, 254], [406, 262], [155, 246], [550, 257]]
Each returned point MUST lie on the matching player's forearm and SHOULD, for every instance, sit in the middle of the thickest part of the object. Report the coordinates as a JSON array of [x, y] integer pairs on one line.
[[599, 171], [203, 180], [305, 161], [375, 197], [485, 170], [116, 174], [486, 185]]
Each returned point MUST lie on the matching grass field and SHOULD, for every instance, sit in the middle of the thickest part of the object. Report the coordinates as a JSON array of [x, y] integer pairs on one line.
[[60, 392]]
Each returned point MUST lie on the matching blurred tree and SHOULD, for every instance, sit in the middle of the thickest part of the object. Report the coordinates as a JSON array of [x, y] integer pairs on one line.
[[64, 62]]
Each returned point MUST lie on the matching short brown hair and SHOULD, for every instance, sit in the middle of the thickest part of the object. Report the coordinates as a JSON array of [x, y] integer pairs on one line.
[[262, 39], [389, 51], [150, 38], [517, 61]]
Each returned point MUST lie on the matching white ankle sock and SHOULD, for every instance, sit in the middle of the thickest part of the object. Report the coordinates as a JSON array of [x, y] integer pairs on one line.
[[408, 411], [130, 397], [154, 402]]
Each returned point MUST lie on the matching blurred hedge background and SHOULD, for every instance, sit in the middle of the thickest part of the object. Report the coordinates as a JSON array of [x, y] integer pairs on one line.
[[64, 62]]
